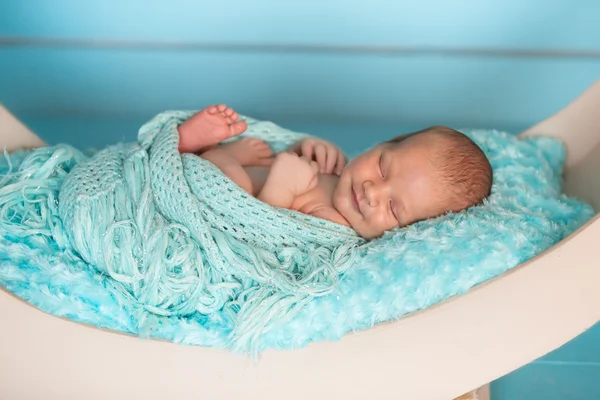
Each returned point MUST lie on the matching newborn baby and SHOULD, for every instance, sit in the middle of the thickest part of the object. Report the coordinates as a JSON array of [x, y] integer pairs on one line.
[[407, 179]]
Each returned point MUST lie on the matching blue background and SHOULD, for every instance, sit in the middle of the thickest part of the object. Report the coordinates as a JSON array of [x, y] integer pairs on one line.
[[356, 72]]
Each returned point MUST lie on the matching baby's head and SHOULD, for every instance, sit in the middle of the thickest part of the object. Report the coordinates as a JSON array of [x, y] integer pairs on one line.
[[412, 178]]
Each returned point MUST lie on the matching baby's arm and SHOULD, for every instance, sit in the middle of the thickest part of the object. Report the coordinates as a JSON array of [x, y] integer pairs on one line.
[[290, 177]]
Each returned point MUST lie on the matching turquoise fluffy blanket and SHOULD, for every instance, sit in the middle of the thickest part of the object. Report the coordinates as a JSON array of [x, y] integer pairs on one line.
[[141, 239]]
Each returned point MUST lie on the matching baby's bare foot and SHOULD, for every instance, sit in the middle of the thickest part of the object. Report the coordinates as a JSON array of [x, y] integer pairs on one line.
[[209, 127], [249, 152]]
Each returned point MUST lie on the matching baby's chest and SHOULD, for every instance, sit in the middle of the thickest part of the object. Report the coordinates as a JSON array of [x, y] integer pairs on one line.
[[319, 197]]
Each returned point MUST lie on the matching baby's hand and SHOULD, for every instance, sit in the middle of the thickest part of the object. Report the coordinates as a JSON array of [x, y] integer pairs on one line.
[[297, 174], [328, 156]]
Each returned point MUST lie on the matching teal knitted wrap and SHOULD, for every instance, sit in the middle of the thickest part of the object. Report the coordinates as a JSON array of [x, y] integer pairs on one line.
[[177, 236]]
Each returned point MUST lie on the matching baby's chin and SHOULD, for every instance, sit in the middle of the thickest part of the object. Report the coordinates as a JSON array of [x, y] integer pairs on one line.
[[368, 233]]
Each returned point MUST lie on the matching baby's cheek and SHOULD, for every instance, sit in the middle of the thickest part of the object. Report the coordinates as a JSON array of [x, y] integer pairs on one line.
[[379, 222]]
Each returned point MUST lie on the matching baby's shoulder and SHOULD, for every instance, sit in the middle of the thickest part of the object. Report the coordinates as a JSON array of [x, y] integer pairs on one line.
[[318, 208]]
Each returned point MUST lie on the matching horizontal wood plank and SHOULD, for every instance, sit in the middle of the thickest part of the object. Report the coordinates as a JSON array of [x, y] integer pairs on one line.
[[513, 24], [459, 91]]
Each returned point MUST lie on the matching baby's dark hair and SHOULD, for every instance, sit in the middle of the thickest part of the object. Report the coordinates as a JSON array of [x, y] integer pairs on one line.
[[461, 163]]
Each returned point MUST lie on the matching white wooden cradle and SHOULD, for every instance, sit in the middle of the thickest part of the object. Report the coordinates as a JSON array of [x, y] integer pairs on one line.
[[436, 354]]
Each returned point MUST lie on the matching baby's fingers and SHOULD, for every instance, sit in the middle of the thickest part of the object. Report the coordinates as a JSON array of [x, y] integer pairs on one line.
[[312, 163], [332, 158], [340, 164], [315, 166], [307, 148], [321, 156]]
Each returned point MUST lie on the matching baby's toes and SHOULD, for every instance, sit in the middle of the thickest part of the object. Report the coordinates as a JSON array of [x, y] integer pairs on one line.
[[249, 141], [264, 150], [267, 150], [254, 142], [259, 145], [237, 128], [233, 118]]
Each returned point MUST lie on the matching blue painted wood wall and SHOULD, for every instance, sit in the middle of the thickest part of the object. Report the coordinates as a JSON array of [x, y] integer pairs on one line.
[[89, 72]]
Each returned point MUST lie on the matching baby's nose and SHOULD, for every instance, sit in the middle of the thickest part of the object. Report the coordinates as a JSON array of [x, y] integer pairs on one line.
[[372, 193]]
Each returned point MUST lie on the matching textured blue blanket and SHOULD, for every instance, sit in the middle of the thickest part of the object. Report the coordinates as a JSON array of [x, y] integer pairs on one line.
[[405, 271]]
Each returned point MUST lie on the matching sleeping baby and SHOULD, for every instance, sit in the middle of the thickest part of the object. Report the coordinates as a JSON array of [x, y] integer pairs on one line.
[[399, 182]]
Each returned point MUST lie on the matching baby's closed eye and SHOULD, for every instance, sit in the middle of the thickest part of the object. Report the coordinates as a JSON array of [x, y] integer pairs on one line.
[[393, 211]]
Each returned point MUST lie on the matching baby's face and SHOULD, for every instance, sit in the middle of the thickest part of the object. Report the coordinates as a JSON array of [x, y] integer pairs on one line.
[[389, 186]]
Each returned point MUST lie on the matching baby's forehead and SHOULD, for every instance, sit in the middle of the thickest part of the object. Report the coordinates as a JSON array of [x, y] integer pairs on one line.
[[410, 160], [415, 160]]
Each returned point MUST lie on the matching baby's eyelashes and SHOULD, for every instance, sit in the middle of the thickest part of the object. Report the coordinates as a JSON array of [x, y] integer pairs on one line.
[[393, 212]]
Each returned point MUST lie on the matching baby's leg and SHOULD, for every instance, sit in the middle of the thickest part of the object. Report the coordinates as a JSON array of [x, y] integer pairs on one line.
[[209, 127], [231, 158], [230, 166], [249, 152]]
